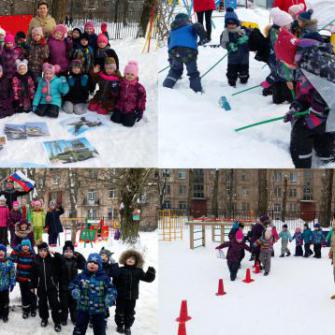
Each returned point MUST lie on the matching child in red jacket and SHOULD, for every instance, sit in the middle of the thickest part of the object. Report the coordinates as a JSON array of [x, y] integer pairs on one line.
[[4, 215]]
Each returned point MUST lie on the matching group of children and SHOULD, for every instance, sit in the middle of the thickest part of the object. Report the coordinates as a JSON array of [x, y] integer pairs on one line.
[[291, 43], [46, 75], [262, 237]]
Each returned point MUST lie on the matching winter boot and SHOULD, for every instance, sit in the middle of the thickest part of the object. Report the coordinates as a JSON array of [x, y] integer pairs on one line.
[[120, 329], [288, 254], [25, 315], [232, 82], [332, 297], [33, 313], [44, 323], [266, 273], [58, 328], [64, 323], [5, 318], [267, 91], [127, 331], [282, 255]]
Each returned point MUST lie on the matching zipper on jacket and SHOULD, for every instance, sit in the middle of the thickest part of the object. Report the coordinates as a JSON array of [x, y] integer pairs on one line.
[[45, 276]]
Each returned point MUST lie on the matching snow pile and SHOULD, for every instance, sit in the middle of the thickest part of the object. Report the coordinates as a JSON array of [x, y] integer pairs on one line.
[[118, 146], [146, 308], [293, 299]]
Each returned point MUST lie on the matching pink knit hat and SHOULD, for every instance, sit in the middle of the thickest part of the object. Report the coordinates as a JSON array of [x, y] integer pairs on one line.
[[37, 31], [102, 38], [132, 67], [9, 38], [280, 17], [103, 27], [89, 24], [51, 68], [16, 204], [61, 28], [239, 235]]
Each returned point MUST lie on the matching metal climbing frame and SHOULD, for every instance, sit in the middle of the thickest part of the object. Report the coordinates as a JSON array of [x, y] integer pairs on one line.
[[171, 225]]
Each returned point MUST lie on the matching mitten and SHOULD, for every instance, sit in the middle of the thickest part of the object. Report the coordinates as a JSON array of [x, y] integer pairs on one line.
[[243, 39], [139, 115], [232, 47]]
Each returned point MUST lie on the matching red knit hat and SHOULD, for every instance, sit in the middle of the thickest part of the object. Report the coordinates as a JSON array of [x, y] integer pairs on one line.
[[286, 47], [9, 38], [102, 38], [103, 27]]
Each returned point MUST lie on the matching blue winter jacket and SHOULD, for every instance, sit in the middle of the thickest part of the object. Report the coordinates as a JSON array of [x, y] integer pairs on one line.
[[285, 235], [299, 240], [7, 275], [307, 235], [58, 88], [183, 36], [318, 237]]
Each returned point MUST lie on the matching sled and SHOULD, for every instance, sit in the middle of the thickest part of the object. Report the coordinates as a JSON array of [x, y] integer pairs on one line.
[[249, 24]]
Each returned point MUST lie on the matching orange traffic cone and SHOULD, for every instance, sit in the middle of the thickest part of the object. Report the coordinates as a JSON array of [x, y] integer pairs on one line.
[[257, 268], [182, 328], [183, 315], [248, 279], [220, 288]]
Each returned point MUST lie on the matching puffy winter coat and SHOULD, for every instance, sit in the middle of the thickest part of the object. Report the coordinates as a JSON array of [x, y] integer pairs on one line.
[[299, 240], [94, 292], [7, 275], [203, 5], [52, 221], [21, 234], [101, 54], [86, 56], [256, 232], [4, 215], [60, 52], [23, 90], [307, 235], [235, 250], [286, 4], [38, 219], [58, 88], [79, 88], [318, 237], [264, 244], [8, 58], [183, 35], [127, 279], [38, 55], [48, 25], [6, 97], [285, 235], [24, 261], [132, 97], [14, 217]]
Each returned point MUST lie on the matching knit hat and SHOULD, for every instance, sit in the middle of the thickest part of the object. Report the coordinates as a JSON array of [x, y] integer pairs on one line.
[[110, 62], [296, 9], [2, 31], [106, 252], [43, 246], [9, 38], [16, 204], [61, 28], [104, 27], [102, 38], [280, 17], [306, 16], [284, 225], [298, 230], [3, 248], [317, 225], [84, 36], [77, 29], [23, 62], [89, 24], [68, 245], [182, 17], [20, 34], [2, 198], [76, 63], [264, 219], [231, 17], [26, 242], [306, 225], [95, 258], [37, 31], [47, 67], [286, 47], [132, 67], [239, 235]]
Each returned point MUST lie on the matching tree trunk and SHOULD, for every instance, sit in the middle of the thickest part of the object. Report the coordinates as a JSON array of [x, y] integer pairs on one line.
[[262, 192], [215, 201], [145, 18], [190, 192], [326, 198], [59, 10], [73, 195], [284, 202]]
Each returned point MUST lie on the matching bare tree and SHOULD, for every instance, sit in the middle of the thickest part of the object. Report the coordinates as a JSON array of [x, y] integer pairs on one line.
[[262, 192], [284, 200], [215, 202], [326, 197], [59, 10], [148, 7], [162, 181]]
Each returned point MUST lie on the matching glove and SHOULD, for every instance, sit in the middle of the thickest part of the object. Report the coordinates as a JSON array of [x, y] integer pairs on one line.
[[289, 117], [243, 39], [75, 294], [139, 115], [203, 41], [11, 288], [232, 47], [151, 269]]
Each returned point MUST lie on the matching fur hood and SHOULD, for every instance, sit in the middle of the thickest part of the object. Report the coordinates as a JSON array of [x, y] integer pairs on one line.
[[23, 233], [132, 253]]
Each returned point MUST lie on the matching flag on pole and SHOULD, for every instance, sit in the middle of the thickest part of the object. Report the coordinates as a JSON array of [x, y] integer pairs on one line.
[[20, 178]]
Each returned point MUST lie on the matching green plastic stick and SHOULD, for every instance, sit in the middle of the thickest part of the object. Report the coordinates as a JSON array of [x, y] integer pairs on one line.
[[269, 121], [162, 70], [328, 24], [211, 68], [246, 90]]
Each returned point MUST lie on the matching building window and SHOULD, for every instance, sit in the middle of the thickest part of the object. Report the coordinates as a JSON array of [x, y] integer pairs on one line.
[[293, 177], [277, 208], [198, 184], [244, 192], [55, 180], [110, 213], [198, 191], [112, 194], [277, 192], [182, 189], [277, 176], [168, 189], [182, 205], [92, 213], [166, 173], [292, 193], [167, 204], [244, 177], [308, 192], [293, 207], [181, 174]]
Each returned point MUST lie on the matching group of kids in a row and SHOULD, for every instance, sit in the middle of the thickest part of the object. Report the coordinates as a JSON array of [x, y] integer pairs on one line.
[[52, 279], [290, 43], [43, 75], [262, 236]]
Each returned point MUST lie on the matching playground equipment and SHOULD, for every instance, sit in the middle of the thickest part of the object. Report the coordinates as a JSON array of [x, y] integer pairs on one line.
[[170, 225]]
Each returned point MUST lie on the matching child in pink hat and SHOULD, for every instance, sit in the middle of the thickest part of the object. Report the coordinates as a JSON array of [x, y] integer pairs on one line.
[[103, 51], [93, 37], [132, 102]]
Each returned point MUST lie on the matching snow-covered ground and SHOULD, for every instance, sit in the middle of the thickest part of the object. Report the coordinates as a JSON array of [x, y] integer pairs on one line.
[[146, 308], [196, 132], [118, 146], [293, 299]]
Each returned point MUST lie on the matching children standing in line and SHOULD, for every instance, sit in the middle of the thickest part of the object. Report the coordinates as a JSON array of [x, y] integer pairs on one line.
[[299, 241], [236, 247], [23, 255], [318, 239], [126, 279], [266, 246], [4, 215], [183, 50], [53, 225], [308, 240], [131, 103], [37, 220], [235, 39], [7, 282], [286, 237]]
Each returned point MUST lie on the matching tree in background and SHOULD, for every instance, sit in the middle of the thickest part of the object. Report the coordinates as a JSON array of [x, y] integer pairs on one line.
[[59, 10], [145, 18], [262, 192], [326, 197]]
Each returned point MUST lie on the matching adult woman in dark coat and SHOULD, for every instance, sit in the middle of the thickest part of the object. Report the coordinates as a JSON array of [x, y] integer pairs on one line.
[[205, 8], [52, 222]]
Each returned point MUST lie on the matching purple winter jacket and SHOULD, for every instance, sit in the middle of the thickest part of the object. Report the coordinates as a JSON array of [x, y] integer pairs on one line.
[[256, 232], [8, 58], [59, 52], [14, 217], [234, 250], [6, 98]]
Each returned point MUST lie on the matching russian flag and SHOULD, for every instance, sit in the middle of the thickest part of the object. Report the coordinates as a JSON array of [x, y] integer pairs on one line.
[[26, 183]]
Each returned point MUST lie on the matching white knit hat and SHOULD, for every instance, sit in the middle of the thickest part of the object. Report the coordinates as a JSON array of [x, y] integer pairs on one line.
[[296, 9], [22, 62], [280, 18], [2, 198], [2, 31]]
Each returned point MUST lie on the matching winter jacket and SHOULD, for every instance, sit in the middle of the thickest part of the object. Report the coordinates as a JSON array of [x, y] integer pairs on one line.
[[109, 89], [318, 237], [307, 235], [80, 87], [94, 292], [45, 273], [264, 244], [48, 25], [38, 219], [92, 41], [24, 261], [256, 232], [127, 279], [7, 275], [132, 97], [8, 58], [285, 235], [6, 98], [286, 4], [299, 239], [60, 52], [12, 195], [235, 249], [52, 221], [58, 88], [101, 54], [69, 269], [38, 55], [21, 234], [26, 212], [14, 217], [86, 56], [4, 215], [236, 42], [329, 235], [332, 249], [23, 91], [203, 5]]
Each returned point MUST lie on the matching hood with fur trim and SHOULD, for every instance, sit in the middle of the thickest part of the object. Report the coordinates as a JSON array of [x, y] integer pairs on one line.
[[132, 253]]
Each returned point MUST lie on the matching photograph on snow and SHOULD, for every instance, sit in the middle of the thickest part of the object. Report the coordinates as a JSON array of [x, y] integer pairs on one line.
[[61, 58], [256, 245], [255, 77], [78, 251]]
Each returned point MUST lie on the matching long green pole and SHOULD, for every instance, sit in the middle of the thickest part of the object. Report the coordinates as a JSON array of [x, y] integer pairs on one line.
[[162, 70], [329, 23], [246, 90], [212, 67], [269, 121]]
